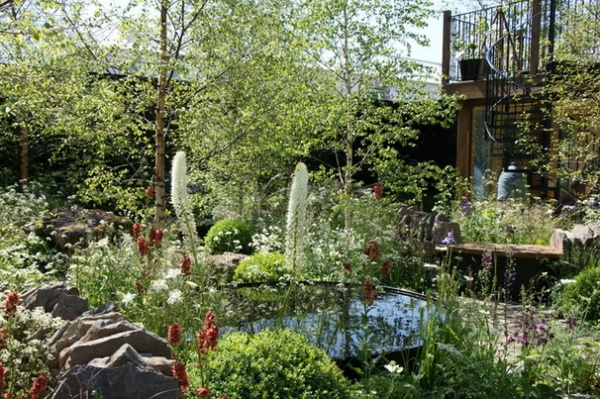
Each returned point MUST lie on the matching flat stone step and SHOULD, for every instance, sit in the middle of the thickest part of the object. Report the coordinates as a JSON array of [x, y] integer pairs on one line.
[[505, 250]]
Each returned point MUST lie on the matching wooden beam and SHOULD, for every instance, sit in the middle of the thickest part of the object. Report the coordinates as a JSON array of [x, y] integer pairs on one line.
[[446, 46]]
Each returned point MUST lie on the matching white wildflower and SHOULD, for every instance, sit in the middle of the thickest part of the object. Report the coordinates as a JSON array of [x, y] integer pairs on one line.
[[567, 281], [172, 273], [159, 285], [191, 284], [175, 296], [128, 298], [431, 266], [394, 368]]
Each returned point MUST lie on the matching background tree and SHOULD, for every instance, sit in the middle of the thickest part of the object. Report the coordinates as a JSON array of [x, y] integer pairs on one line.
[[362, 48], [59, 113], [573, 103], [219, 79]]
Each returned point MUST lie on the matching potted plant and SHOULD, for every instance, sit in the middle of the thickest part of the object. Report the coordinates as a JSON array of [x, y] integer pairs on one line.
[[471, 53]]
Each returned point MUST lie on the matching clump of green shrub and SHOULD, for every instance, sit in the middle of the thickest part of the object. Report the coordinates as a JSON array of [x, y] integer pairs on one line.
[[261, 267], [581, 297], [275, 364], [509, 222], [228, 235]]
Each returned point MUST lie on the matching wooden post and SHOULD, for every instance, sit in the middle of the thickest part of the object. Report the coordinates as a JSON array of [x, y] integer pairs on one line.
[[536, 27], [446, 46], [159, 184], [24, 152]]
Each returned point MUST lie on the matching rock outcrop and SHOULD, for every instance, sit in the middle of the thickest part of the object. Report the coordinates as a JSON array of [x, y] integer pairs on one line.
[[67, 225], [100, 352], [58, 300], [580, 236], [430, 228]]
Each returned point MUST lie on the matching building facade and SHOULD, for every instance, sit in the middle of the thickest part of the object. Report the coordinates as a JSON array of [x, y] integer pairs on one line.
[[499, 59]]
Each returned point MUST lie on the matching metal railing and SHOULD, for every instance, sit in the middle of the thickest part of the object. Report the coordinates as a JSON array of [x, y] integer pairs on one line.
[[530, 39]]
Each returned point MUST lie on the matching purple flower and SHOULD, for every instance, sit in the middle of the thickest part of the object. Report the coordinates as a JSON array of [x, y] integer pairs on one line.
[[509, 278], [449, 240], [465, 205]]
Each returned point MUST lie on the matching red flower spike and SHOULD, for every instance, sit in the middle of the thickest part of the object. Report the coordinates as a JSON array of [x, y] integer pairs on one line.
[[150, 192], [203, 392], [347, 269], [373, 250], [185, 266], [139, 287], [136, 230], [180, 373], [370, 294], [10, 304], [378, 190], [207, 339], [174, 334], [156, 236], [386, 267], [38, 386], [2, 376], [142, 246], [3, 338]]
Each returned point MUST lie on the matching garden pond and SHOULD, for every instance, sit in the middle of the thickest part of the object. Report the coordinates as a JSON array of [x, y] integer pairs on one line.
[[342, 319]]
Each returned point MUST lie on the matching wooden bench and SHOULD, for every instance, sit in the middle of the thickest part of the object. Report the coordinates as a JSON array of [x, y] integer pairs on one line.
[[514, 250], [534, 265]]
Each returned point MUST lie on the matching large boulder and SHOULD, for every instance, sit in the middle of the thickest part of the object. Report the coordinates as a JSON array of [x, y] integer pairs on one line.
[[69, 225], [430, 228], [128, 381], [103, 352], [58, 300], [580, 236]]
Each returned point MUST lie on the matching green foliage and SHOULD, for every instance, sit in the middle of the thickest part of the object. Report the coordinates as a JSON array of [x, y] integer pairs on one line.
[[581, 297], [150, 288], [569, 362], [25, 336], [25, 259], [570, 91], [274, 364], [337, 253], [228, 235], [261, 267], [113, 191], [504, 222]]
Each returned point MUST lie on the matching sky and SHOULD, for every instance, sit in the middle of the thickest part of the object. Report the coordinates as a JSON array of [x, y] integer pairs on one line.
[[434, 31], [433, 53]]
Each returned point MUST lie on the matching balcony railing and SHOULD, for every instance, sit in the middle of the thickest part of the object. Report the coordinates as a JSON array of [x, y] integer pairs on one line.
[[532, 26]]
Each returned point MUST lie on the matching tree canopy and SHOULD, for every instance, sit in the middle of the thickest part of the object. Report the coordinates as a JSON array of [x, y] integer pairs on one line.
[[245, 88]]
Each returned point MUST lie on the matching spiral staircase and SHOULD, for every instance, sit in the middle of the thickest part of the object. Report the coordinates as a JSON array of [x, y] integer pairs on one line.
[[517, 120]]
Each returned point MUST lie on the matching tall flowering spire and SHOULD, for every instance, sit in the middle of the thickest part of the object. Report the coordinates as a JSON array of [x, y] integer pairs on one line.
[[181, 202], [10, 304], [296, 217]]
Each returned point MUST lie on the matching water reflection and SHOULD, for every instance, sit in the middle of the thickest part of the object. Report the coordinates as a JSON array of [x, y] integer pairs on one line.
[[335, 317]]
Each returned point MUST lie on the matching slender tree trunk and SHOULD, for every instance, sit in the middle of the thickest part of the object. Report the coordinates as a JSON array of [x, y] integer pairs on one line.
[[348, 175], [24, 152], [349, 170], [159, 165]]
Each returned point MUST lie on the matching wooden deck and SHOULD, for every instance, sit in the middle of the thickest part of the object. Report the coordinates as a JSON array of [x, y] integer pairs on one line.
[[518, 251]]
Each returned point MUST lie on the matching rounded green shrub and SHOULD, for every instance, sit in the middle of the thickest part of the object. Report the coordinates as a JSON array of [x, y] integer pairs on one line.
[[261, 267], [275, 364], [582, 297], [228, 235]]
